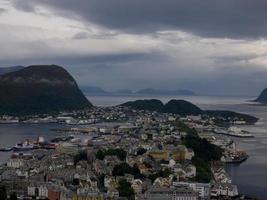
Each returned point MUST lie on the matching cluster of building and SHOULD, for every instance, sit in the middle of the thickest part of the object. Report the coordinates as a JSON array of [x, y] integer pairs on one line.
[[130, 154]]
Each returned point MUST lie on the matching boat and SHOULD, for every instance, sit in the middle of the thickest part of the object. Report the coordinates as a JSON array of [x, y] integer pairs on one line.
[[235, 157], [26, 146], [238, 132], [233, 131], [7, 149], [9, 121]]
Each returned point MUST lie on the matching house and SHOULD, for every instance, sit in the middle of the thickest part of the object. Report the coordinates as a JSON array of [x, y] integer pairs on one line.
[[190, 171], [203, 189], [163, 182], [37, 190], [137, 186], [111, 161], [113, 193], [43, 191], [15, 163], [224, 189], [53, 194], [164, 193], [109, 181], [93, 183], [143, 169], [160, 154]]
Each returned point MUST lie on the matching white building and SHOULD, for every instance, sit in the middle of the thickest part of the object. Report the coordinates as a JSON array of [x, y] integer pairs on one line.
[[15, 163]]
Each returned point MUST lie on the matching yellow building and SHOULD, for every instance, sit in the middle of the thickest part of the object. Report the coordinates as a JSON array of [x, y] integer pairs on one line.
[[160, 154]]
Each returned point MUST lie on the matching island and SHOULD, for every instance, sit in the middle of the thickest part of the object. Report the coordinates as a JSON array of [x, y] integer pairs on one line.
[[184, 108], [262, 98]]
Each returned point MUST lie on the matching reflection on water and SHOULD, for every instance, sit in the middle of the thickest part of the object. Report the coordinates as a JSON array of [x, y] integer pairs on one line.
[[251, 176]]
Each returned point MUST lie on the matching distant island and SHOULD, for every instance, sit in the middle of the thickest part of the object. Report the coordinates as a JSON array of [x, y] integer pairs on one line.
[[262, 98], [151, 91], [93, 90], [40, 89], [185, 108], [4, 70]]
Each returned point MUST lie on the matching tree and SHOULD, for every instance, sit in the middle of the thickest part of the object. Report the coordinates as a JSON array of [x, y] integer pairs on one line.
[[120, 153], [82, 155], [141, 151], [125, 189], [13, 196], [3, 195], [125, 168], [203, 149]]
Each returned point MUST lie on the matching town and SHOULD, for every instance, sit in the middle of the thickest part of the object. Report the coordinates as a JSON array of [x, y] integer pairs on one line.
[[123, 153]]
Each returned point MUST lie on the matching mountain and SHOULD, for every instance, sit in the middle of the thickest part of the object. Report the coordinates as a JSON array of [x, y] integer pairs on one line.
[[4, 70], [93, 90], [40, 89], [146, 104], [263, 97], [124, 91], [182, 107], [152, 91], [185, 108]]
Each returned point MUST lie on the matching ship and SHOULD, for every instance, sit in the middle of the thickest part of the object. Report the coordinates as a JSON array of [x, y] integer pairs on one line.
[[238, 132], [25, 146], [233, 131], [6, 149], [235, 157]]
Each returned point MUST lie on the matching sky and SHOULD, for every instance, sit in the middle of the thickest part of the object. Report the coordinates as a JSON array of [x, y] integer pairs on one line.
[[212, 47]]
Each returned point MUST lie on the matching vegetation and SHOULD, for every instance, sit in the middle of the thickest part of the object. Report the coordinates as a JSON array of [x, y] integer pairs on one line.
[[81, 155], [151, 105], [125, 189], [184, 108], [165, 173], [41, 89], [174, 106], [181, 107], [202, 148], [141, 151], [120, 153], [13, 196], [3, 194], [124, 168], [162, 173], [153, 177], [203, 170], [204, 153], [221, 115]]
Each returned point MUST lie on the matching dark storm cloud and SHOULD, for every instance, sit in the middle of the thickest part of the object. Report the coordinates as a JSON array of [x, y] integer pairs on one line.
[[98, 60], [210, 18], [25, 5]]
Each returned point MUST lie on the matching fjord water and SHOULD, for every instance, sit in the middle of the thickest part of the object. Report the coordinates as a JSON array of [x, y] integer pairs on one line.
[[250, 176]]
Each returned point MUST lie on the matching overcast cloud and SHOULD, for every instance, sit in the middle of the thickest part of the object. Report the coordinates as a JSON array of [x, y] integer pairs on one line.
[[210, 46]]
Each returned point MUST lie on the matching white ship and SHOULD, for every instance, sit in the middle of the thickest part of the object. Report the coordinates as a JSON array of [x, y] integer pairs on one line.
[[233, 131], [238, 132]]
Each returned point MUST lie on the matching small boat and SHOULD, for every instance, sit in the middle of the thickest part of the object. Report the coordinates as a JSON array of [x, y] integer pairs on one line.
[[6, 149]]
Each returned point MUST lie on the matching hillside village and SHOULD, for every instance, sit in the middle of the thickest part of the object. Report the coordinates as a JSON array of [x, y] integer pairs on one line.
[[124, 154]]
